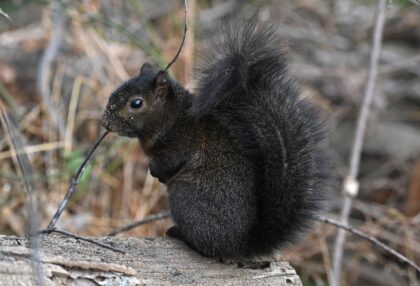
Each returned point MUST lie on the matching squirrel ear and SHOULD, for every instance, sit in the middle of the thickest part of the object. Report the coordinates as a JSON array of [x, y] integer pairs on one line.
[[147, 70], [161, 87]]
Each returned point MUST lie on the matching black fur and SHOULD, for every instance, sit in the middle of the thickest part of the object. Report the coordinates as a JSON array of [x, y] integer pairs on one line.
[[243, 159], [244, 81]]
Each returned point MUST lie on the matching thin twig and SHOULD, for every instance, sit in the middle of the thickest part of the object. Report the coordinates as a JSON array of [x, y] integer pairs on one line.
[[183, 37], [48, 57], [371, 239], [166, 214], [75, 180], [149, 219], [350, 186], [51, 230]]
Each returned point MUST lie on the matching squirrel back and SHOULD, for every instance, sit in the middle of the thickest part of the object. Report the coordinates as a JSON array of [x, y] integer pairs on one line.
[[244, 81]]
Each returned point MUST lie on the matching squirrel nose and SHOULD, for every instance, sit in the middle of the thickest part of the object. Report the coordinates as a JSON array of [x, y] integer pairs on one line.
[[106, 122]]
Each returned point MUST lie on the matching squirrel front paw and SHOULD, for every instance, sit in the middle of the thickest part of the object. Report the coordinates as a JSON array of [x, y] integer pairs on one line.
[[174, 232]]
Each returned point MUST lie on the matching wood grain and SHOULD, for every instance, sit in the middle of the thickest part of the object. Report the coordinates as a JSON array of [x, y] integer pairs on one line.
[[149, 261]]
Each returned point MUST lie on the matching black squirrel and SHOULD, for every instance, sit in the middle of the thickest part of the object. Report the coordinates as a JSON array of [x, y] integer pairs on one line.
[[243, 157]]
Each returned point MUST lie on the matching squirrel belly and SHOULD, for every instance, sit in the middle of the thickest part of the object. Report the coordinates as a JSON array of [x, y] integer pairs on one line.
[[244, 158], [213, 196]]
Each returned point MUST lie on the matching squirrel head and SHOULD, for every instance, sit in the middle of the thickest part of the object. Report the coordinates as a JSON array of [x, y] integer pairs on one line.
[[142, 105]]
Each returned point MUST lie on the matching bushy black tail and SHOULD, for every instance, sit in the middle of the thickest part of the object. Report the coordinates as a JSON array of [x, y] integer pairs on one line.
[[244, 81]]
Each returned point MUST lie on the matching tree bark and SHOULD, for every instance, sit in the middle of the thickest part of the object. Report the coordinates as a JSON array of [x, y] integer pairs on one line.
[[148, 261]]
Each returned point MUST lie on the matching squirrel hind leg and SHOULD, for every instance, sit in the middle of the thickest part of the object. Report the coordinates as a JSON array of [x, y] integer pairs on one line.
[[241, 261], [175, 232]]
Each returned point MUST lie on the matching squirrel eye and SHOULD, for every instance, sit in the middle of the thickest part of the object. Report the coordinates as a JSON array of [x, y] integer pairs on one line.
[[136, 103]]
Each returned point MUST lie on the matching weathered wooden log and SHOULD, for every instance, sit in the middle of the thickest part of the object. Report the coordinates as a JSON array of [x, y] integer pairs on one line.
[[148, 261]]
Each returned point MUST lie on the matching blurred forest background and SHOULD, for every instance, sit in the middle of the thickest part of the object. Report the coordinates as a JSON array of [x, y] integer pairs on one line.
[[60, 61]]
